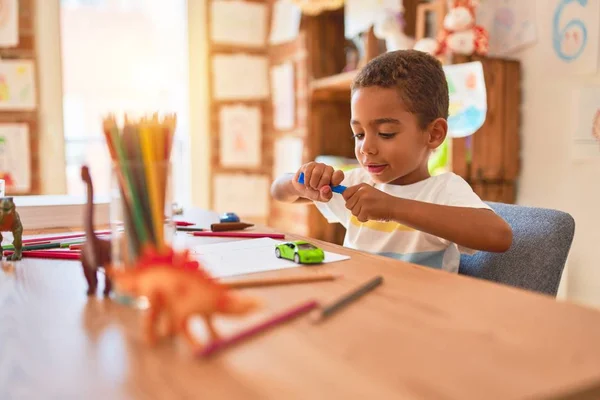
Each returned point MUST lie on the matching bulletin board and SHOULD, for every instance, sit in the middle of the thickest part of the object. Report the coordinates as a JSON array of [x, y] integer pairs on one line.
[[19, 98]]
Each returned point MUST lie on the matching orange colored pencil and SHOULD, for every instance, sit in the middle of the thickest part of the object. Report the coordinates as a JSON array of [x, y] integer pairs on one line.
[[257, 282]]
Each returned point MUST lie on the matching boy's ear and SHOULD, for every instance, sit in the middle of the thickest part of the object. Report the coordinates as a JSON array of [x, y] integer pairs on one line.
[[438, 129]]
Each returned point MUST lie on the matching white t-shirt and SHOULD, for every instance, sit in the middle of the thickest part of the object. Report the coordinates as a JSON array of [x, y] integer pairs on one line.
[[395, 240]]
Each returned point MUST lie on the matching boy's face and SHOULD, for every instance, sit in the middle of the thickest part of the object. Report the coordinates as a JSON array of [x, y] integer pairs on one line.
[[389, 144]]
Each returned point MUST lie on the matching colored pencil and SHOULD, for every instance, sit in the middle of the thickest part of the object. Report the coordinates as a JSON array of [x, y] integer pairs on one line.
[[183, 223], [240, 234], [45, 246], [189, 229], [73, 255], [275, 320], [257, 282], [68, 236], [353, 295]]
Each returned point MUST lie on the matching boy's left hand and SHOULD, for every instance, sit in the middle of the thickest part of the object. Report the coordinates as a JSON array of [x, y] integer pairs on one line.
[[367, 203]]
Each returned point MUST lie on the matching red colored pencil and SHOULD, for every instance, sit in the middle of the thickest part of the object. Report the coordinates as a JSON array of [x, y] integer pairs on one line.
[[53, 238], [184, 223], [240, 234], [260, 327], [59, 255]]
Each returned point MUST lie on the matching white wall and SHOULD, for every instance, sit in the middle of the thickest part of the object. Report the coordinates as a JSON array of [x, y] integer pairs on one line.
[[550, 177], [199, 103], [52, 144]]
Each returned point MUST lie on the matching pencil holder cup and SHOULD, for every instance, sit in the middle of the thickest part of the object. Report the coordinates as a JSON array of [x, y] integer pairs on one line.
[[141, 220]]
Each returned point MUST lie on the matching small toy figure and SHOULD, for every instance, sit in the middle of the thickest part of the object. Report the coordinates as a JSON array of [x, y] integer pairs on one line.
[[10, 221], [179, 288], [300, 251], [95, 252]]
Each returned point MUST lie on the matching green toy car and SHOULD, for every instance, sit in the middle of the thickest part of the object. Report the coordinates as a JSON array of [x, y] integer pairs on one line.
[[300, 252]]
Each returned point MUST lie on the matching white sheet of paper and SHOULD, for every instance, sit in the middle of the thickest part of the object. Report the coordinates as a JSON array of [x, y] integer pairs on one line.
[[288, 153], [9, 23], [283, 96], [240, 136], [468, 98], [510, 23], [585, 143], [240, 77], [359, 15], [17, 85], [15, 159], [247, 257], [238, 22], [572, 29], [244, 194], [285, 24]]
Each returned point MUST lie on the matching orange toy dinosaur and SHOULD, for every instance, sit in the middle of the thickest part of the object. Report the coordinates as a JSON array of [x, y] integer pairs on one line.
[[177, 287]]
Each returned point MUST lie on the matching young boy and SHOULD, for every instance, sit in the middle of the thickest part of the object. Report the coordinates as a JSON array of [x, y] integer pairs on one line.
[[392, 206]]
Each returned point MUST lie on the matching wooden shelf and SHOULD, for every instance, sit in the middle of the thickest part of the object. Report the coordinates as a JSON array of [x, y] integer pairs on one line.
[[339, 82]]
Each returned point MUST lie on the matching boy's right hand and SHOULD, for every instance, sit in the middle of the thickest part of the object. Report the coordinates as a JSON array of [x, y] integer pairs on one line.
[[317, 180]]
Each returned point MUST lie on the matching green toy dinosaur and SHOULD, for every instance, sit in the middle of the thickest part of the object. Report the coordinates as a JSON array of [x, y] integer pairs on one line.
[[10, 221]]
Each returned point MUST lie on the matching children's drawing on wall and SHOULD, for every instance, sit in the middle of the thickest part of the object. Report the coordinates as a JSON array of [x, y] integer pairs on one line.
[[510, 23], [288, 153], [468, 99], [574, 27], [240, 77], [585, 136], [15, 157], [467, 109], [585, 143], [231, 194], [17, 85], [237, 22], [283, 96], [240, 132], [285, 22], [9, 23]]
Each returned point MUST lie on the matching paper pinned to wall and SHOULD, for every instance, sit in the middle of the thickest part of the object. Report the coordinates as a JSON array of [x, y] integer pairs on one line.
[[510, 23], [240, 136], [468, 98], [288, 153], [9, 23], [283, 96], [17, 85], [15, 157], [247, 257], [360, 15], [240, 77], [238, 22], [285, 24], [245, 194], [585, 143], [573, 35]]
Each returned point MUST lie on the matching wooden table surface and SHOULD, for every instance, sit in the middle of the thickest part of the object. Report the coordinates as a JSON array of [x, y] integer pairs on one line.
[[423, 334]]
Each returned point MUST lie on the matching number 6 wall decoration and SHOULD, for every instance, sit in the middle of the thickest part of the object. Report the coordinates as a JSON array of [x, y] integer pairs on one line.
[[559, 36]]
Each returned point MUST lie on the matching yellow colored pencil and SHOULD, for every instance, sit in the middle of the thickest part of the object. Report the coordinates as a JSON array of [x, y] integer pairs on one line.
[[151, 178]]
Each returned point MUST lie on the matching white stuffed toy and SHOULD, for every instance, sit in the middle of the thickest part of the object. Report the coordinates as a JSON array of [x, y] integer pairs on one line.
[[390, 27]]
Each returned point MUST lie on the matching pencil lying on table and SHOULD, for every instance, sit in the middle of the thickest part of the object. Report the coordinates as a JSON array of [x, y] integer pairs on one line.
[[257, 282], [348, 298]]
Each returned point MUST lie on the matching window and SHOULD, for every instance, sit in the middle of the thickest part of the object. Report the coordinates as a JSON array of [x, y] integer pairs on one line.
[[122, 56]]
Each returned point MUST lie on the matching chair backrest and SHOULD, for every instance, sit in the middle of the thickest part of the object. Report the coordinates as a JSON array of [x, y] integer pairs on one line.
[[535, 261]]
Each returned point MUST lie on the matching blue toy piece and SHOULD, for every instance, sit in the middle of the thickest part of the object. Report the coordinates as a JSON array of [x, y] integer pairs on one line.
[[336, 189], [229, 217]]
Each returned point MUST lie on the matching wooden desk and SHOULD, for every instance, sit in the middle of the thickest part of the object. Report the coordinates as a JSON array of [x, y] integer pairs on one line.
[[423, 334]]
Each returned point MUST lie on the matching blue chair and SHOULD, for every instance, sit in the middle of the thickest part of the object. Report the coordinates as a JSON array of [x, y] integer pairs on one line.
[[535, 261]]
